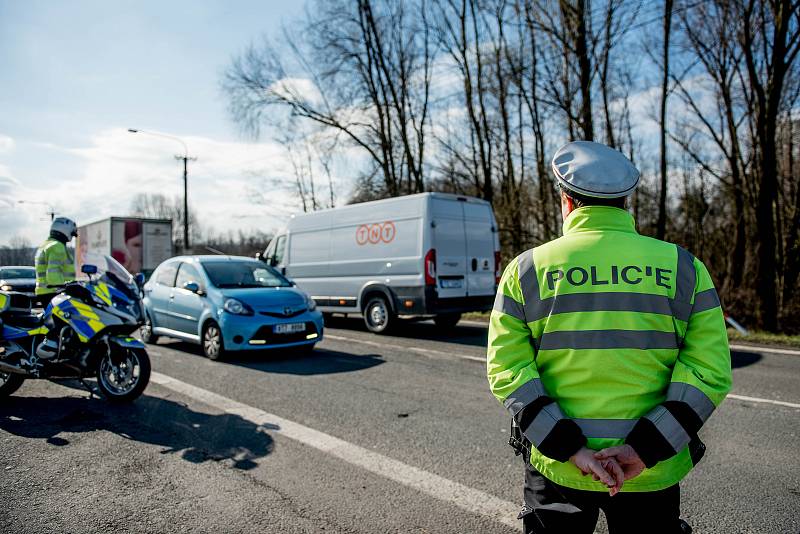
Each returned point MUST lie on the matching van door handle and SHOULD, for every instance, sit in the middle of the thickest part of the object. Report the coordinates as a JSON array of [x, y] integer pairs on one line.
[[474, 264]]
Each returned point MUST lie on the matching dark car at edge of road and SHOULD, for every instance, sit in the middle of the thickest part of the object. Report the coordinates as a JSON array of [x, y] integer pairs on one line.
[[18, 278]]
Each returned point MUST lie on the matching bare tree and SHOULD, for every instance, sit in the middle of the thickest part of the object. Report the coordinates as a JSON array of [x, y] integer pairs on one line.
[[770, 39], [158, 206], [370, 67], [661, 225], [710, 33], [19, 251]]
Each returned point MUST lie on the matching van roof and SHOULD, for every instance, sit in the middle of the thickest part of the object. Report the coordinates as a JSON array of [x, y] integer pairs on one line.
[[435, 194]]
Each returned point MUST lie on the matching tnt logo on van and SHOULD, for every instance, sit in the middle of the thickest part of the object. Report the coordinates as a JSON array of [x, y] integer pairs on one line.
[[375, 233]]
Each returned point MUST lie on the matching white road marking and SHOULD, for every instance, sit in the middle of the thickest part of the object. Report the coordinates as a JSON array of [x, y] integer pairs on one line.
[[758, 399], [475, 323], [760, 348], [418, 350], [439, 353], [734, 346], [469, 499]]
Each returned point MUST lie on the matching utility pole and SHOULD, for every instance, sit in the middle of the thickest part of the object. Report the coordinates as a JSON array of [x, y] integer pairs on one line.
[[50, 210], [185, 157]]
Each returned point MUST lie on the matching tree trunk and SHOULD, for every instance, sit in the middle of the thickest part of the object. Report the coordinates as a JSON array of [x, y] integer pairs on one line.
[[661, 224], [585, 69]]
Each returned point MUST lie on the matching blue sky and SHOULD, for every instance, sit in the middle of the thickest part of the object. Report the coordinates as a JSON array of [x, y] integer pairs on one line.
[[77, 74]]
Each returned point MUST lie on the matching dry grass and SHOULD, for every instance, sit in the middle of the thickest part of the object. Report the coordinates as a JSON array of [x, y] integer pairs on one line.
[[765, 338]]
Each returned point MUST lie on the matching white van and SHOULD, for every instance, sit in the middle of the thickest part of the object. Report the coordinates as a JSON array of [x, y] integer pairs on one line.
[[425, 255]]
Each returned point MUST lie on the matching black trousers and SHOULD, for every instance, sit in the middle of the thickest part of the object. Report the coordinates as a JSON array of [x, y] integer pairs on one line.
[[551, 508]]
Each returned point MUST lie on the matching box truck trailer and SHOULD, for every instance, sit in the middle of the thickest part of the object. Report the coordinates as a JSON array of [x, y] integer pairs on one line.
[[425, 255], [139, 244]]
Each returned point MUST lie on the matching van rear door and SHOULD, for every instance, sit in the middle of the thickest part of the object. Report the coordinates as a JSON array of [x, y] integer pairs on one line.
[[479, 225], [449, 241]]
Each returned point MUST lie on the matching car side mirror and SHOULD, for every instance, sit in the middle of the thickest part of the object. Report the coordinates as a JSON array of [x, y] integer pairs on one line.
[[139, 279], [194, 287], [89, 269]]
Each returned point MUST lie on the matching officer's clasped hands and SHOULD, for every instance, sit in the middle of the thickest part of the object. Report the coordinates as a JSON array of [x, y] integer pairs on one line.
[[606, 470], [627, 458]]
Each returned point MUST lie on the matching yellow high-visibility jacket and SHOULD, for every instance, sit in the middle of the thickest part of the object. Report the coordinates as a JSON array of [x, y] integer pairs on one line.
[[604, 337], [54, 266]]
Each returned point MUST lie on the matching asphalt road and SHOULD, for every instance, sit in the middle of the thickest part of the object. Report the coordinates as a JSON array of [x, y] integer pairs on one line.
[[369, 434]]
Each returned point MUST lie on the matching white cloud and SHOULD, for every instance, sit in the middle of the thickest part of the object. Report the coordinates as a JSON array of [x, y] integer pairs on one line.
[[232, 185], [294, 88], [14, 220], [6, 144], [8, 186]]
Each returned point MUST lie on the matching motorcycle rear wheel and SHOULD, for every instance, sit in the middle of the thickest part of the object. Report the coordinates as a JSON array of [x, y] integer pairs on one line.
[[124, 382], [9, 383]]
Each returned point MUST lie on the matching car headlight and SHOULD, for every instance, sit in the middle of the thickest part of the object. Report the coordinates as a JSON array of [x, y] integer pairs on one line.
[[237, 307], [312, 305], [6, 287]]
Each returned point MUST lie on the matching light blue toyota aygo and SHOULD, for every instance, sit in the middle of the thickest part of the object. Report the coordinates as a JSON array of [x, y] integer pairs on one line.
[[228, 303]]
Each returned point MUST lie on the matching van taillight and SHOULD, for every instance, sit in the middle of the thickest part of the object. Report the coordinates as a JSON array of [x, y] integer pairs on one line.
[[497, 259], [430, 268]]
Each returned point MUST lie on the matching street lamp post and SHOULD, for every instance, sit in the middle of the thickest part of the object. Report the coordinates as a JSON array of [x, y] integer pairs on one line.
[[51, 211], [185, 159]]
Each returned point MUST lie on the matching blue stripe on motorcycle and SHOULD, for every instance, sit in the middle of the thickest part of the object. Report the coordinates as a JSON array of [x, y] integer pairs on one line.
[[127, 342]]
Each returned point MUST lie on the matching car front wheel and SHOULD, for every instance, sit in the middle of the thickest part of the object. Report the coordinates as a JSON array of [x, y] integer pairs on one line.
[[146, 331], [213, 346]]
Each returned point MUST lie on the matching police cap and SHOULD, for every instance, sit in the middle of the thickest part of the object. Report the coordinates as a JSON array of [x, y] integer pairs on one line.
[[594, 170]]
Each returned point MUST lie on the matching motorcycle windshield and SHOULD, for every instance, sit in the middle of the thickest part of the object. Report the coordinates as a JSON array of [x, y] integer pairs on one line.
[[115, 275]]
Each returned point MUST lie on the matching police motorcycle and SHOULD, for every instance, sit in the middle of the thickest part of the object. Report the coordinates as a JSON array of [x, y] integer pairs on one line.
[[84, 332]]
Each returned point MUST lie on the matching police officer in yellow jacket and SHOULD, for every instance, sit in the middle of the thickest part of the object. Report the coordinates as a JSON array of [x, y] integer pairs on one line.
[[55, 267], [609, 350]]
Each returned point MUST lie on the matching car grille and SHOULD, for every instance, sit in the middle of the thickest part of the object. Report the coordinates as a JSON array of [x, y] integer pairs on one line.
[[266, 334], [281, 314], [23, 288]]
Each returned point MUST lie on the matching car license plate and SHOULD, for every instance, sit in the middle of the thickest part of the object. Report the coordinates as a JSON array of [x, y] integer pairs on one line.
[[451, 284], [289, 328]]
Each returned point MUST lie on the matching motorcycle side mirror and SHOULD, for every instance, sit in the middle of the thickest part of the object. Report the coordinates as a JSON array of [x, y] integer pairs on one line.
[[89, 269], [139, 279]]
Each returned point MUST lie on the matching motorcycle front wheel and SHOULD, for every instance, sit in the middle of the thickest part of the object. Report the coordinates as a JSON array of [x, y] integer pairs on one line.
[[125, 379], [9, 383]]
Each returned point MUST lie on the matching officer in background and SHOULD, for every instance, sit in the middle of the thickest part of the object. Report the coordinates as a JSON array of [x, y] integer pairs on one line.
[[55, 267], [609, 349]]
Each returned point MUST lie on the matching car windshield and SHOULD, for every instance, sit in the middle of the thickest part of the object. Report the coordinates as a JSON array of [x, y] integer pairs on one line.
[[17, 272], [230, 274]]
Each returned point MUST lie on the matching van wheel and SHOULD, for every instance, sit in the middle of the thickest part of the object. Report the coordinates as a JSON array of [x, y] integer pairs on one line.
[[378, 315], [213, 347], [446, 321]]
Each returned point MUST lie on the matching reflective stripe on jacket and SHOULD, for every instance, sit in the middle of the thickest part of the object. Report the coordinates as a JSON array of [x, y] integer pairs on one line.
[[614, 335], [54, 266]]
